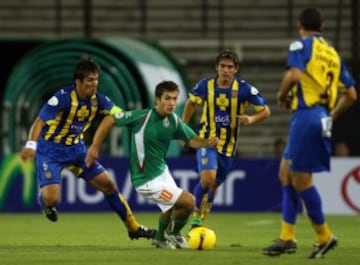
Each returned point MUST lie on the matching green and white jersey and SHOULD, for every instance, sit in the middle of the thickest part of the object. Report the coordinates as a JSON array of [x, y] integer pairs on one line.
[[151, 135]]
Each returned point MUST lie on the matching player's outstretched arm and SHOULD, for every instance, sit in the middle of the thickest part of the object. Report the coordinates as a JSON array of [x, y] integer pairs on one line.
[[257, 117], [345, 102], [29, 149], [189, 110], [99, 137], [198, 142]]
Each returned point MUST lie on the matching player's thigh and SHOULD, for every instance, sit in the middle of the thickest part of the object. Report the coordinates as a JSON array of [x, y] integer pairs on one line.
[[51, 193], [186, 200], [301, 181]]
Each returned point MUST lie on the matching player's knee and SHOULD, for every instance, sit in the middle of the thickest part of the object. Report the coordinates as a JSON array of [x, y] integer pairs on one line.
[[190, 203], [207, 182], [51, 199], [107, 187]]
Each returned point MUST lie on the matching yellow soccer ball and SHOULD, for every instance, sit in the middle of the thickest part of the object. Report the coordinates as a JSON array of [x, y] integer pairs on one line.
[[200, 238]]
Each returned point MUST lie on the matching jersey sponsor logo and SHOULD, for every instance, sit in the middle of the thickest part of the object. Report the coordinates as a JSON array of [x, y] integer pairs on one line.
[[53, 101], [224, 120], [296, 45], [165, 195]]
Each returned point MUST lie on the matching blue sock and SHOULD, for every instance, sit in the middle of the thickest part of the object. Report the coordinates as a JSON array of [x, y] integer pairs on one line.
[[211, 196], [312, 200], [117, 205], [199, 192], [290, 204]]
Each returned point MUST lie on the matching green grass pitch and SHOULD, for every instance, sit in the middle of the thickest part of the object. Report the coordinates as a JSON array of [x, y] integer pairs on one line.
[[100, 238]]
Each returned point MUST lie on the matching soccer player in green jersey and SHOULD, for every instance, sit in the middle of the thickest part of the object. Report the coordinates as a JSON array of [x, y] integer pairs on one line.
[[151, 133]]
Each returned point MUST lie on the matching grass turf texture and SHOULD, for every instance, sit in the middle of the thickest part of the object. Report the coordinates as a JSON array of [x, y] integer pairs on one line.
[[99, 238]]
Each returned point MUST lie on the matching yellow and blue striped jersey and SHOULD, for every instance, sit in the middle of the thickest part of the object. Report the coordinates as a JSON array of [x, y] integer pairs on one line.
[[324, 73], [221, 106], [67, 116]]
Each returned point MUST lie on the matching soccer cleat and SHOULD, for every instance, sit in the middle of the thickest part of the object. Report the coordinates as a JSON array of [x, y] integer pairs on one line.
[[163, 244], [50, 213], [177, 240], [142, 232], [196, 222], [320, 250], [280, 247]]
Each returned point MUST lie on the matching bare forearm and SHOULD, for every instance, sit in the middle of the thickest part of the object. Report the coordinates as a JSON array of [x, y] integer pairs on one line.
[[189, 110], [262, 115], [287, 83], [36, 129], [344, 103], [198, 142], [102, 131]]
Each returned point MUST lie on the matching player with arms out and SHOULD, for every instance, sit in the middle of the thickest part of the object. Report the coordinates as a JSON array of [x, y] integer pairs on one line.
[[224, 100], [151, 133], [315, 71], [56, 142]]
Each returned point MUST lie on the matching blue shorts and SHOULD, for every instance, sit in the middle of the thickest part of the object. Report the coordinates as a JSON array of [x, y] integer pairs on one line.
[[209, 158], [309, 143], [51, 159]]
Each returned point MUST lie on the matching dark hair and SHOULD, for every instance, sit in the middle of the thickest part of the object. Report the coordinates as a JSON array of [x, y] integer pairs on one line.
[[310, 19], [165, 86], [84, 67], [228, 54]]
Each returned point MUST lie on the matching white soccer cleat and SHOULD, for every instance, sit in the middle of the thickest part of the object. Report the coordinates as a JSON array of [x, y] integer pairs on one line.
[[177, 240]]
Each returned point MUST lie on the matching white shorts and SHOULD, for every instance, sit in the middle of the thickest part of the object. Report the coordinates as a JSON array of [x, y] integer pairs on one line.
[[162, 190]]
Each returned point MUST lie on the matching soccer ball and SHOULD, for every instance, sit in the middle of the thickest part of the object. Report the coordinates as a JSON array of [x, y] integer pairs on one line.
[[201, 238]]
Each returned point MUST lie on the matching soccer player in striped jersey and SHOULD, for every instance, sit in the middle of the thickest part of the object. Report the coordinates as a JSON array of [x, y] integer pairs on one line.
[[310, 87], [224, 100], [56, 142], [151, 133]]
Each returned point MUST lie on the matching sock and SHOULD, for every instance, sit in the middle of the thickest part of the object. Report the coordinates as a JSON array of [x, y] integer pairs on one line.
[[122, 208], [290, 206], [163, 224], [201, 197], [176, 225], [206, 205], [312, 201]]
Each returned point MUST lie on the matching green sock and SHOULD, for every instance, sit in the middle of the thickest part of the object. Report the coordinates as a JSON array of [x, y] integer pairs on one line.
[[176, 225], [163, 224]]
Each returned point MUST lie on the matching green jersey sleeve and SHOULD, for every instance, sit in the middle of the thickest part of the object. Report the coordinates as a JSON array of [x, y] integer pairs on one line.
[[183, 131], [129, 118]]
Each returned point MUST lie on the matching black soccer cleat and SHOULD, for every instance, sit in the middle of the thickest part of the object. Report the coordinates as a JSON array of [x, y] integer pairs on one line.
[[280, 247], [320, 250], [51, 214], [143, 232]]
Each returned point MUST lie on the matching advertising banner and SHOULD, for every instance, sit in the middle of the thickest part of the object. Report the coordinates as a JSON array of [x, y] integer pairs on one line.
[[340, 188], [251, 186]]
